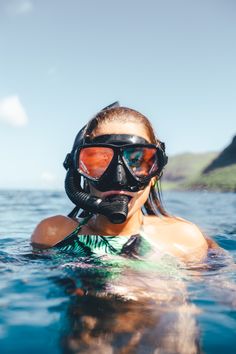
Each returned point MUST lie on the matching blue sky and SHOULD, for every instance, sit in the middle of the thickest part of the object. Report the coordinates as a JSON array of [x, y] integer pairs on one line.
[[63, 60]]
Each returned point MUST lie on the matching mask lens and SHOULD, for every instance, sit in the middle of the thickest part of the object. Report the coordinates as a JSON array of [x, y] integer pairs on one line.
[[93, 161], [141, 160]]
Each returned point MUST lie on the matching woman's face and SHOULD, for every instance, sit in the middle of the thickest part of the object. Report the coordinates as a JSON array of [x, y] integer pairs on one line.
[[140, 197]]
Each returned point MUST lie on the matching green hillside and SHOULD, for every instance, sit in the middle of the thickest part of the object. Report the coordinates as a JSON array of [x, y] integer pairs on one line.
[[223, 179], [226, 158], [184, 167], [185, 172]]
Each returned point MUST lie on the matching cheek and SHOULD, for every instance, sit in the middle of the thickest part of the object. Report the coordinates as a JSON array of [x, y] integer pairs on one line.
[[139, 200]]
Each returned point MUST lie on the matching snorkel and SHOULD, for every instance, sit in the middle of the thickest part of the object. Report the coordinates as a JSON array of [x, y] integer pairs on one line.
[[115, 209], [116, 177]]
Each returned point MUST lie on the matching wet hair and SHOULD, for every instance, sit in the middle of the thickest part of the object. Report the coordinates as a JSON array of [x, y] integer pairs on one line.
[[154, 204]]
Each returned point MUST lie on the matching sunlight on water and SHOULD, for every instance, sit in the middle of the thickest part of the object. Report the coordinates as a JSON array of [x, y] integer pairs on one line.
[[51, 302]]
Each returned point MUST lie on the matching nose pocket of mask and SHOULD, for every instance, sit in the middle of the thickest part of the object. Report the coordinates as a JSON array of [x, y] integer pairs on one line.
[[118, 175]]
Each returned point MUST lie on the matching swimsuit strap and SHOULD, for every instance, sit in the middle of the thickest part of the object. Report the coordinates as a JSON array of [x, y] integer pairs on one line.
[[73, 234]]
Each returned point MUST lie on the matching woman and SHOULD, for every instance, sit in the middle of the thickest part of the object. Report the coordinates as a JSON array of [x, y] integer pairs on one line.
[[120, 161], [128, 293], [125, 247]]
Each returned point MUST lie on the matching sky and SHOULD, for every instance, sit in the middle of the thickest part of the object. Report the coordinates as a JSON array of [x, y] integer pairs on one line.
[[63, 60]]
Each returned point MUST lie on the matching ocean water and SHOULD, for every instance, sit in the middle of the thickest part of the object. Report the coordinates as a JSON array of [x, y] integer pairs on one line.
[[157, 308]]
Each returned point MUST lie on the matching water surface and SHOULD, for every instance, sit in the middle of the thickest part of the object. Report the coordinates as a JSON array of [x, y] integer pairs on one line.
[[153, 309]]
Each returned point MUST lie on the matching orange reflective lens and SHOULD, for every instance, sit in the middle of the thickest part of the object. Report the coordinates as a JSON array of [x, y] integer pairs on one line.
[[142, 161], [93, 161]]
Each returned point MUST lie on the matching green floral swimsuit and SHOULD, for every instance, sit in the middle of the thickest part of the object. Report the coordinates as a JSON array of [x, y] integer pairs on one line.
[[96, 245], [135, 252]]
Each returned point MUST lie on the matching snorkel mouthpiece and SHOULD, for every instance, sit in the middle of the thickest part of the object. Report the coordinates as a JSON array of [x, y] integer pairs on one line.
[[118, 208]]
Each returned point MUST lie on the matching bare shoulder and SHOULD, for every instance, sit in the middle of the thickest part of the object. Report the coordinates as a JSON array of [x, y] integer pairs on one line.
[[187, 232], [52, 230], [181, 230]]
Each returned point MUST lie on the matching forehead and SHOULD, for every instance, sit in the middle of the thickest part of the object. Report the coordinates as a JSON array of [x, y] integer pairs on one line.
[[130, 128]]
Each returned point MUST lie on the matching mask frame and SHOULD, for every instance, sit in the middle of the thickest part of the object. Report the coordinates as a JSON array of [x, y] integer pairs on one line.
[[118, 157], [117, 141]]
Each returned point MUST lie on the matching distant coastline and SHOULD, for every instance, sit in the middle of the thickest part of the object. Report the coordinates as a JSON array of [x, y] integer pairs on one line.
[[214, 171]]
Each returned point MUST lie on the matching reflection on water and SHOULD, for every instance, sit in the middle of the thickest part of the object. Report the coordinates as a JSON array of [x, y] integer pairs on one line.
[[112, 324], [52, 302], [138, 314]]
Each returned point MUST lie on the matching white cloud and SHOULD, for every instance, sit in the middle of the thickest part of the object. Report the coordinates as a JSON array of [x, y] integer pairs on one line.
[[12, 111], [19, 7]]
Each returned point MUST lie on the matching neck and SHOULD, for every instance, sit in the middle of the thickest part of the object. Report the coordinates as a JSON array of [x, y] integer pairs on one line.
[[102, 226]]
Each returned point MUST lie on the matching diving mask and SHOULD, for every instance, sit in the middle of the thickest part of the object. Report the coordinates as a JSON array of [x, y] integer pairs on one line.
[[119, 161], [110, 162]]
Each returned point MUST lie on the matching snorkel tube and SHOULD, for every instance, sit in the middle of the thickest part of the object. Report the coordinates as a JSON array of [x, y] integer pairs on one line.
[[114, 208]]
